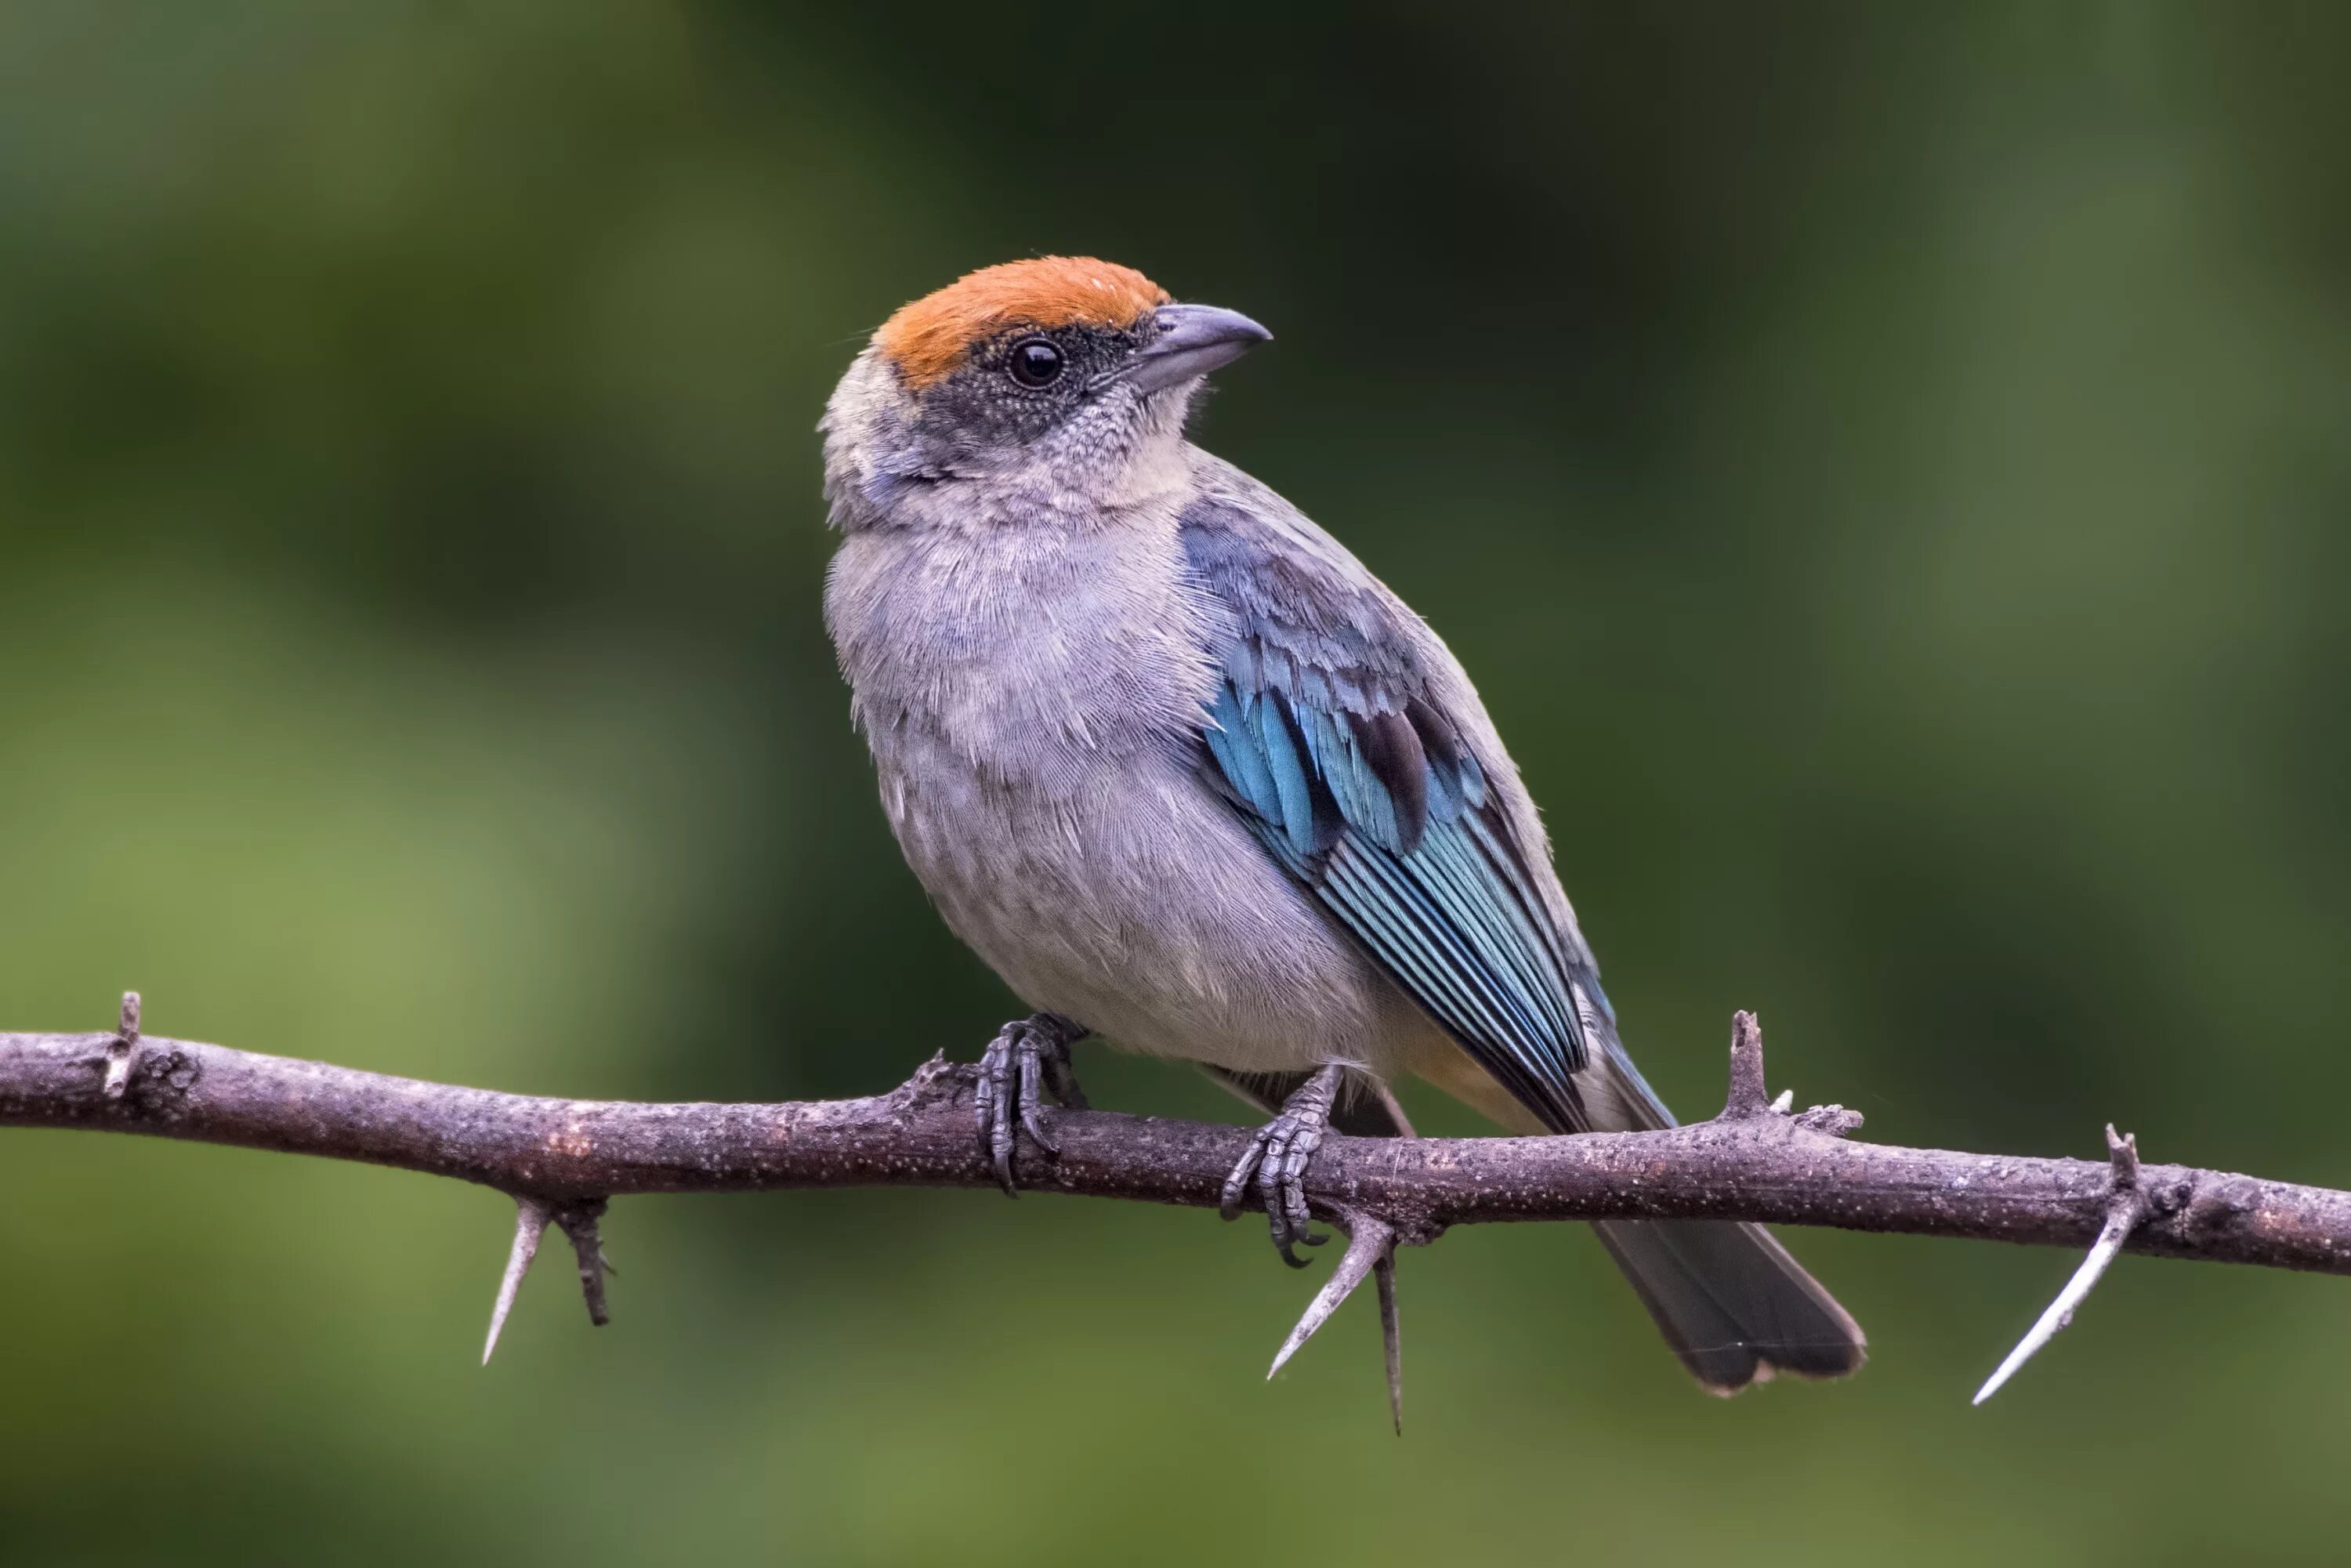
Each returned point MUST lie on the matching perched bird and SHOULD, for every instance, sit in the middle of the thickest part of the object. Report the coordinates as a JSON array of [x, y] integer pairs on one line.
[[1187, 775]]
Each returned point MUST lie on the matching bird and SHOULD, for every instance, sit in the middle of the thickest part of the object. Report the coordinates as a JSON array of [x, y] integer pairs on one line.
[[1189, 778]]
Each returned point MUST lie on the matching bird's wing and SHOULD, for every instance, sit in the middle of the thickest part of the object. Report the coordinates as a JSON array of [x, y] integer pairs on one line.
[[1330, 734]]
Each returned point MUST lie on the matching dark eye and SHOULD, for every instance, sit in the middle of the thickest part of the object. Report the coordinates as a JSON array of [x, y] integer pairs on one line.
[[1035, 362]]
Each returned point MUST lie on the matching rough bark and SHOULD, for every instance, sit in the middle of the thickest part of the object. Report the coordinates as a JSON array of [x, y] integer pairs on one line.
[[1756, 1162]]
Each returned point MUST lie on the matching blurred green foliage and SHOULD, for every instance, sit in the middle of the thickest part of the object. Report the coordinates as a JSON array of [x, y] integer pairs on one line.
[[1885, 464]]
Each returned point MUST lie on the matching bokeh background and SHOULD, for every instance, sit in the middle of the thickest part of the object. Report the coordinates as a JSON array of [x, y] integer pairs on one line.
[[1885, 464]]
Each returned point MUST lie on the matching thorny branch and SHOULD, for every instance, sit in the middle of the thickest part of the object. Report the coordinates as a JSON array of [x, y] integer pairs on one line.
[[562, 1160]]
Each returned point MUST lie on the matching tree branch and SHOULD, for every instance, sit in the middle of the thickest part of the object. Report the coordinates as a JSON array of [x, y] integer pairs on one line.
[[561, 1159]]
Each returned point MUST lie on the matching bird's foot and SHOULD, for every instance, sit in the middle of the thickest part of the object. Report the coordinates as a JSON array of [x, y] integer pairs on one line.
[[1028, 1058], [1277, 1158]]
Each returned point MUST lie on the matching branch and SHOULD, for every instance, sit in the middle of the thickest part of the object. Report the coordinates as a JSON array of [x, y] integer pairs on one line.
[[560, 1160]]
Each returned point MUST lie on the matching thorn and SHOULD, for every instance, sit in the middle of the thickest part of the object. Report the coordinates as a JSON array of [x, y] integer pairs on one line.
[[1391, 1340], [1748, 1098], [1368, 1241], [2126, 1207], [125, 1042], [531, 1218], [579, 1223], [1785, 1104]]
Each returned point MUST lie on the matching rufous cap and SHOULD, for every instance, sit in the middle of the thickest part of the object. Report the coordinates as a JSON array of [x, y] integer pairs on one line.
[[929, 338]]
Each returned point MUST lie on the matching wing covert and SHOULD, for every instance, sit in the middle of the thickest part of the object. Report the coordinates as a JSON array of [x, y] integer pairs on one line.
[[1328, 734]]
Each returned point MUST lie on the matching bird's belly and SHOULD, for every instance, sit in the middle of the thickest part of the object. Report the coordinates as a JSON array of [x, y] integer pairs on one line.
[[1138, 906]]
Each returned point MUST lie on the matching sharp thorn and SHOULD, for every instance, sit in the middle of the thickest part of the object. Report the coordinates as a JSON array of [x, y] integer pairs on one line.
[[1368, 1241], [2126, 1207], [1391, 1337], [531, 1218]]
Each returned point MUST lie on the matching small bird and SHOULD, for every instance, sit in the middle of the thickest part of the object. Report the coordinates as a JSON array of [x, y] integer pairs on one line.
[[1187, 775]]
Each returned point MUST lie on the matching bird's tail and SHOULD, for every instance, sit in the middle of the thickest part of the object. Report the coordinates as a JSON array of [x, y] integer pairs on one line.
[[1731, 1302]]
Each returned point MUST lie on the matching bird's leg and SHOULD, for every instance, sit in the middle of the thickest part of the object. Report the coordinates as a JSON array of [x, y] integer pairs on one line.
[[1277, 1157], [1027, 1059]]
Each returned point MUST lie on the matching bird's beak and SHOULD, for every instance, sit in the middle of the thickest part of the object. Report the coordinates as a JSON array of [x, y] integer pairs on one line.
[[1193, 341]]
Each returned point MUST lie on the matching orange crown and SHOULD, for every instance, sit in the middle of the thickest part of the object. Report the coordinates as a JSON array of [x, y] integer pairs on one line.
[[931, 337]]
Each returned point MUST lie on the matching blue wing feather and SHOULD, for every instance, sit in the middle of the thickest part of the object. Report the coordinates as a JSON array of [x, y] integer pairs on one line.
[[1325, 736]]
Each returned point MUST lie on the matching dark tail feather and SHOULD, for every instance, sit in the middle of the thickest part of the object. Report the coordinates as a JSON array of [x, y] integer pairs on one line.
[[1731, 1302]]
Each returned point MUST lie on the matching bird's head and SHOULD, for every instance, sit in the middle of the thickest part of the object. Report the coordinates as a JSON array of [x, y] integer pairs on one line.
[[1060, 379]]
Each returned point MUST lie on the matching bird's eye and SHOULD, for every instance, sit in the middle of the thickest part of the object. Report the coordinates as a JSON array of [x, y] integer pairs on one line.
[[1036, 362]]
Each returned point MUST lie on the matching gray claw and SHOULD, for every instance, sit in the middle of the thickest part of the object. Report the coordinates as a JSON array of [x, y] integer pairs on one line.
[[1277, 1158], [1228, 1203], [1031, 1092], [1028, 1059]]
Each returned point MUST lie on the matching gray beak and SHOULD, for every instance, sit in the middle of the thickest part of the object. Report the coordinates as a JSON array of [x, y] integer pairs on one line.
[[1193, 341]]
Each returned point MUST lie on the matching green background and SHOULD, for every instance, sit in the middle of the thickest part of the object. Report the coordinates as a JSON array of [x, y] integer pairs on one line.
[[1886, 465]]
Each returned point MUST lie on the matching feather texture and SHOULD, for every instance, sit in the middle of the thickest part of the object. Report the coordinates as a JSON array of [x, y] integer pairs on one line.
[[1330, 734]]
